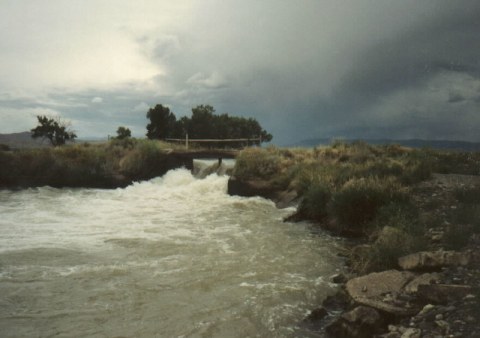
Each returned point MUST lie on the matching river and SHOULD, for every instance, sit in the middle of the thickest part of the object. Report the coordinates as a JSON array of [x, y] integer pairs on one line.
[[171, 257]]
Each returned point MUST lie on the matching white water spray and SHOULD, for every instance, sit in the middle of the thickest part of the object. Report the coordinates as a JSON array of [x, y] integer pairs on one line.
[[174, 256]]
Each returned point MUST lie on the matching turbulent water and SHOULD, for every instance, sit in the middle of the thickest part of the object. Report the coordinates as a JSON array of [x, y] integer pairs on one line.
[[171, 257]]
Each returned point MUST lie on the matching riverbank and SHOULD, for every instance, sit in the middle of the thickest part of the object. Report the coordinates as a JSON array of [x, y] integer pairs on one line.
[[117, 163], [416, 214]]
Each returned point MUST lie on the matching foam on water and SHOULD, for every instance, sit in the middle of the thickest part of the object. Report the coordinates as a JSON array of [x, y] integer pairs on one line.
[[174, 256]]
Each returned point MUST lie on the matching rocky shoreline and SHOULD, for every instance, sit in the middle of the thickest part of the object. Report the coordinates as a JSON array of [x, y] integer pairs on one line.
[[433, 293]]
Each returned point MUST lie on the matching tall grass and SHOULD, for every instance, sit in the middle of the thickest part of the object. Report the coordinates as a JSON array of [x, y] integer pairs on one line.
[[98, 165], [348, 182], [356, 203], [256, 163], [145, 160], [356, 188]]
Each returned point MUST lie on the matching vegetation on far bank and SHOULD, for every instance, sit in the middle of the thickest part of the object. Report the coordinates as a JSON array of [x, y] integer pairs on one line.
[[363, 190], [109, 164]]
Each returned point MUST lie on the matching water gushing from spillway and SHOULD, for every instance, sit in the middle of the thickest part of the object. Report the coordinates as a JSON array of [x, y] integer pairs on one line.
[[171, 257], [204, 168]]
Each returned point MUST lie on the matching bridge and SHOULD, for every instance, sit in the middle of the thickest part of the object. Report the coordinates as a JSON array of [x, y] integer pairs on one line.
[[232, 142], [187, 156]]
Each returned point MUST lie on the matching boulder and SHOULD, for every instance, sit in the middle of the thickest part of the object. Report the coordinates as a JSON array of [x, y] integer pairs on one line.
[[337, 302], [316, 315], [265, 189], [249, 188], [434, 260], [338, 278], [285, 199], [380, 291], [443, 293], [424, 279], [361, 322]]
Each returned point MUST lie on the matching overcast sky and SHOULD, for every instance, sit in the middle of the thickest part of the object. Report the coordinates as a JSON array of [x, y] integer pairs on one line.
[[304, 69]]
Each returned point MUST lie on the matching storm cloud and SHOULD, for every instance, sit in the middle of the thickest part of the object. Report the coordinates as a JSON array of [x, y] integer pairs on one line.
[[304, 69]]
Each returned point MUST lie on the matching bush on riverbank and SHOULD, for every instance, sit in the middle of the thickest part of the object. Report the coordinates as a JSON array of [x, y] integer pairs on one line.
[[258, 163], [357, 202], [360, 189], [84, 165]]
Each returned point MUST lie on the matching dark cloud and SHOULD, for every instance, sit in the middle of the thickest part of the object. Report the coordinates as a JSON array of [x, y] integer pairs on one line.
[[404, 69], [455, 97]]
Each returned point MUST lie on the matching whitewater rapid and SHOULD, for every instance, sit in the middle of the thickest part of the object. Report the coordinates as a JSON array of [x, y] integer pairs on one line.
[[172, 257]]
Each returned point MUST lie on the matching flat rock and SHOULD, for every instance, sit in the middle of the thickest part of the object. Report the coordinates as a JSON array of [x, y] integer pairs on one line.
[[431, 260], [370, 290], [424, 279]]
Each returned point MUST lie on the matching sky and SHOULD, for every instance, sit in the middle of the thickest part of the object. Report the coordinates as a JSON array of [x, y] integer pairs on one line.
[[304, 68]]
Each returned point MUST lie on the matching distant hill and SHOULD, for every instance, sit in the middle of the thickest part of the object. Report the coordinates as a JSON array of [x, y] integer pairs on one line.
[[413, 143], [22, 140]]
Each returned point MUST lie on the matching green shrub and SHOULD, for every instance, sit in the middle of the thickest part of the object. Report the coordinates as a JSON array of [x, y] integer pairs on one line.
[[357, 202], [391, 244], [126, 143], [381, 168], [417, 171], [4, 147], [315, 201], [145, 161], [402, 215], [83, 164], [307, 175], [256, 163], [394, 150], [450, 162]]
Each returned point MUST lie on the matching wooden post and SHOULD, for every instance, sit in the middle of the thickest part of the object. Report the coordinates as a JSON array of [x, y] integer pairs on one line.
[[186, 141]]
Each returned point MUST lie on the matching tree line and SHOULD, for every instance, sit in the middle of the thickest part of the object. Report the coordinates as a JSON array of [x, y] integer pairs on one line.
[[203, 124]]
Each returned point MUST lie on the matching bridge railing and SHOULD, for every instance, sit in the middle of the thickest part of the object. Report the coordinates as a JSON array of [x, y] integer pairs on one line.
[[187, 141]]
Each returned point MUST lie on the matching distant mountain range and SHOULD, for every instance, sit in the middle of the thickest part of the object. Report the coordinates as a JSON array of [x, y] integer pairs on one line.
[[22, 140], [413, 143]]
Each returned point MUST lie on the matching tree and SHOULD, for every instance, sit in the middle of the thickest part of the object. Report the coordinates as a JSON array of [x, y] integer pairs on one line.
[[202, 122], [205, 124], [162, 122], [54, 129], [123, 133]]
